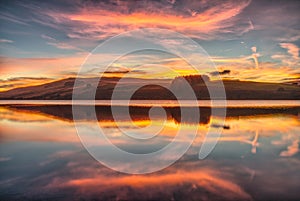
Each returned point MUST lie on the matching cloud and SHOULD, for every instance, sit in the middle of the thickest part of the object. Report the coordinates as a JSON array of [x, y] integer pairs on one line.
[[60, 45], [206, 24], [292, 49], [255, 55], [274, 21], [121, 70], [291, 38], [6, 41], [98, 20], [22, 72], [40, 67], [7, 86], [27, 78], [12, 18], [243, 69], [15, 82], [224, 72], [286, 60], [290, 59], [134, 66], [3, 159]]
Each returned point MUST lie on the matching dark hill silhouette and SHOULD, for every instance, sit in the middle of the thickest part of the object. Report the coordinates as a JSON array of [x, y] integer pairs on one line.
[[153, 89]]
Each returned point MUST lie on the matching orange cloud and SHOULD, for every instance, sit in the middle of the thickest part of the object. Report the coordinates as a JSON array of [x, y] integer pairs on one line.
[[17, 72], [48, 67], [22, 72], [104, 22]]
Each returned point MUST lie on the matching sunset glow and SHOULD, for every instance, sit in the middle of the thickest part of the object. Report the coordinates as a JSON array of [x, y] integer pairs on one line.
[[234, 33], [142, 100]]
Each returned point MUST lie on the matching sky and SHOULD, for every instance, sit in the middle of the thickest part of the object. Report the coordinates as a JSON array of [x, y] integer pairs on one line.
[[41, 41]]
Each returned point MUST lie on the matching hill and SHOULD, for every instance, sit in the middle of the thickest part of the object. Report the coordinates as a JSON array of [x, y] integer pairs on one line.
[[235, 90]]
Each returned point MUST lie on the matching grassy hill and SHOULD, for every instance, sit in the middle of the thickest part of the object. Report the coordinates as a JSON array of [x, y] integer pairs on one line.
[[154, 89]]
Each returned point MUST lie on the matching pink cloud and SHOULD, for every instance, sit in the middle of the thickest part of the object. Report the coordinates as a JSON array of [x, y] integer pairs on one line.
[[102, 21], [292, 49]]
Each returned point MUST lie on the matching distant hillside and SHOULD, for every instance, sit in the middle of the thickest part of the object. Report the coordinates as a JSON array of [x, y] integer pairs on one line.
[[235, 90]]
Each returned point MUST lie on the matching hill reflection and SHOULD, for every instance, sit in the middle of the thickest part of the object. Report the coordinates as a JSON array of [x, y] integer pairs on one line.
[[104, 113]]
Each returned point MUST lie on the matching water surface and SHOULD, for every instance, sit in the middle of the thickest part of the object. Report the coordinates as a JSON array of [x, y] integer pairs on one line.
[[161, 103], [256, 158]]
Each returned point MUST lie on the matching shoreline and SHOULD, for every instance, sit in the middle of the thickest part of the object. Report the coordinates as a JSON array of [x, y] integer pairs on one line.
[[160, 103]]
